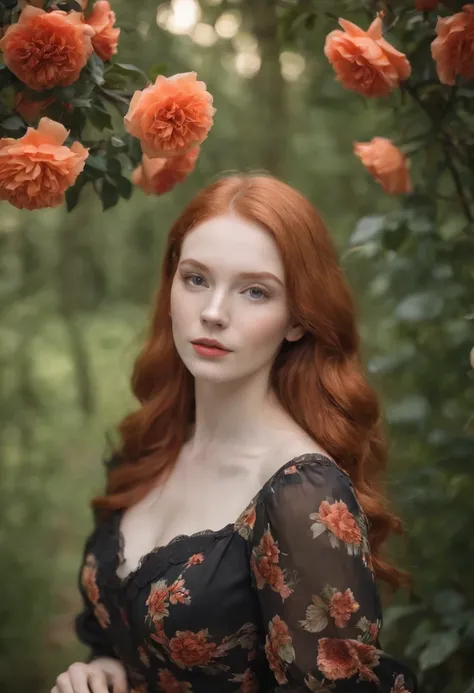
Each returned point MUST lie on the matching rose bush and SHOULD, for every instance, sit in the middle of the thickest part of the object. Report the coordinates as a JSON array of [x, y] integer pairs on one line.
[[58, 64]]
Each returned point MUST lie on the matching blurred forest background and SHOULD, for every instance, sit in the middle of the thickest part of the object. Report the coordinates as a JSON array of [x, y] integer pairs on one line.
[[75, 292]]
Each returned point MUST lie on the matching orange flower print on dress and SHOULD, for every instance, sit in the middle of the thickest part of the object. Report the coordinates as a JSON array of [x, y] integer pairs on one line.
[[246, 521], [339, 522], [195, 559], [291, 470], [189, 649], [171, 116], [47, 49], [264, 563], [102, 20], [158, 601], [364, 61], [399, 685], [37, 169], [167, 683], [178, 594], [370, 630], [279, 648], [330, 604], [342, 659], [453, 48], [89, 583], [160, 176]]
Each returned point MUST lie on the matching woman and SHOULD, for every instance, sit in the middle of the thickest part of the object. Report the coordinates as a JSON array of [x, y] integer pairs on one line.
[[237, 545]]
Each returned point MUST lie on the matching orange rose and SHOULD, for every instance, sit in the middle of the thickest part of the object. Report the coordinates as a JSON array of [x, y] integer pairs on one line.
[[341, 659], [47, 49], [37, 169], [159, 176], [426, 5], [340, 521], [102, 20], [453, 49], [364, 61], [190, 649], [30, 110], [341, 607], [171, 116], [386, 163]]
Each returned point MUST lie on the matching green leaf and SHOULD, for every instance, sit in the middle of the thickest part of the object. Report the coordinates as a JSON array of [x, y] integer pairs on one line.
[[13, 124], [425, 305], [155, 70], [96, 164], [368, 228], [125, 187], [81, 103], [73, 193], [95, 67], [99, 117], [64, 94], [440, 647], [128, 68], [109, 195]]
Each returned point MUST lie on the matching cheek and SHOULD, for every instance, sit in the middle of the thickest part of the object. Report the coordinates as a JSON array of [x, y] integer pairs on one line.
[[265, 329]]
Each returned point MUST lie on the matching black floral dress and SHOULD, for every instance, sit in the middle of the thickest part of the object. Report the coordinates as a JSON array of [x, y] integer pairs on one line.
[[282, 600]]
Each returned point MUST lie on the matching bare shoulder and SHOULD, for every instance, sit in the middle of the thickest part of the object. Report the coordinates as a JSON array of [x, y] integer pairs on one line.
[[287, 448]]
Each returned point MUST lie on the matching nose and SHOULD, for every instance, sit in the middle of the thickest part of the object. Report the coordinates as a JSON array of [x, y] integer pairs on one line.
[[215, 312]]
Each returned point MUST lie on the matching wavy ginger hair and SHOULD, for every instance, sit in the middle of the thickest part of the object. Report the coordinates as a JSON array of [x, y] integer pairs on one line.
[[318, 379]]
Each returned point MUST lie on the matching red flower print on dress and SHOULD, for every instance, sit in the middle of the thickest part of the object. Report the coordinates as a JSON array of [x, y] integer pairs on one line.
[[342, 606], [89, 583], [291, 470], [195, 559], [170, 684], [88, 578], [330, 604], [342, 659], [246, 521], [399, 685], [157, 601], [370, 630], [339, 522], [178, 594], [189, 649], [264, 563], [279, 648]]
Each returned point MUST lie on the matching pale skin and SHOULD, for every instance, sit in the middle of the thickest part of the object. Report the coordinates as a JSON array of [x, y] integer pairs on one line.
[[242, 434]]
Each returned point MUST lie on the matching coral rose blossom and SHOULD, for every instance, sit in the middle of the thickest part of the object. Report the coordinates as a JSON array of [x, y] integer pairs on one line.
[[170, 116], [386, 163], [453, 49], [47, 49], [102, 20], [37, 169], [159, 176], [364, 61]]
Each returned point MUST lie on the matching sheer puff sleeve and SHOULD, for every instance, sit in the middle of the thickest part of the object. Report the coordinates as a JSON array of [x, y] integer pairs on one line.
[[91, 623], [312, 571]]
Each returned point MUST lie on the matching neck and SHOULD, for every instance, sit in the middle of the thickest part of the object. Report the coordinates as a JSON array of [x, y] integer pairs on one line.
[[235, 416]]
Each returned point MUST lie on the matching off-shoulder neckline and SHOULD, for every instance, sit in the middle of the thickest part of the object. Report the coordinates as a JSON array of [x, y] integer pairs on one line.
[[297, 461]]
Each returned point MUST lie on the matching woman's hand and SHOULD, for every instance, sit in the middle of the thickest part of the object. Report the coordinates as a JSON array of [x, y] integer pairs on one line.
[[102, 675]]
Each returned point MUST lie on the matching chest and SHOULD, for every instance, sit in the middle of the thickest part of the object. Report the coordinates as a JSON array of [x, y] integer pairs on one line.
[[190, 502], [198, 497]]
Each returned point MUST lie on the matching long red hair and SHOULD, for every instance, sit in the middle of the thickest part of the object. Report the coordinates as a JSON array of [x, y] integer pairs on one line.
[[319, 379]]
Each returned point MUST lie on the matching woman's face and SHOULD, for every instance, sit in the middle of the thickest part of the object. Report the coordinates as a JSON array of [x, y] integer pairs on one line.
[[211, 298]]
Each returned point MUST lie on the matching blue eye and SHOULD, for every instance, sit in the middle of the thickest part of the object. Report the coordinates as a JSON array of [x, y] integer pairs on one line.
[[188, 279]]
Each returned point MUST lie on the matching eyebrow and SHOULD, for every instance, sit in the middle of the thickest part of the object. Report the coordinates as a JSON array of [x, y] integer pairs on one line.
[[243, 275]]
